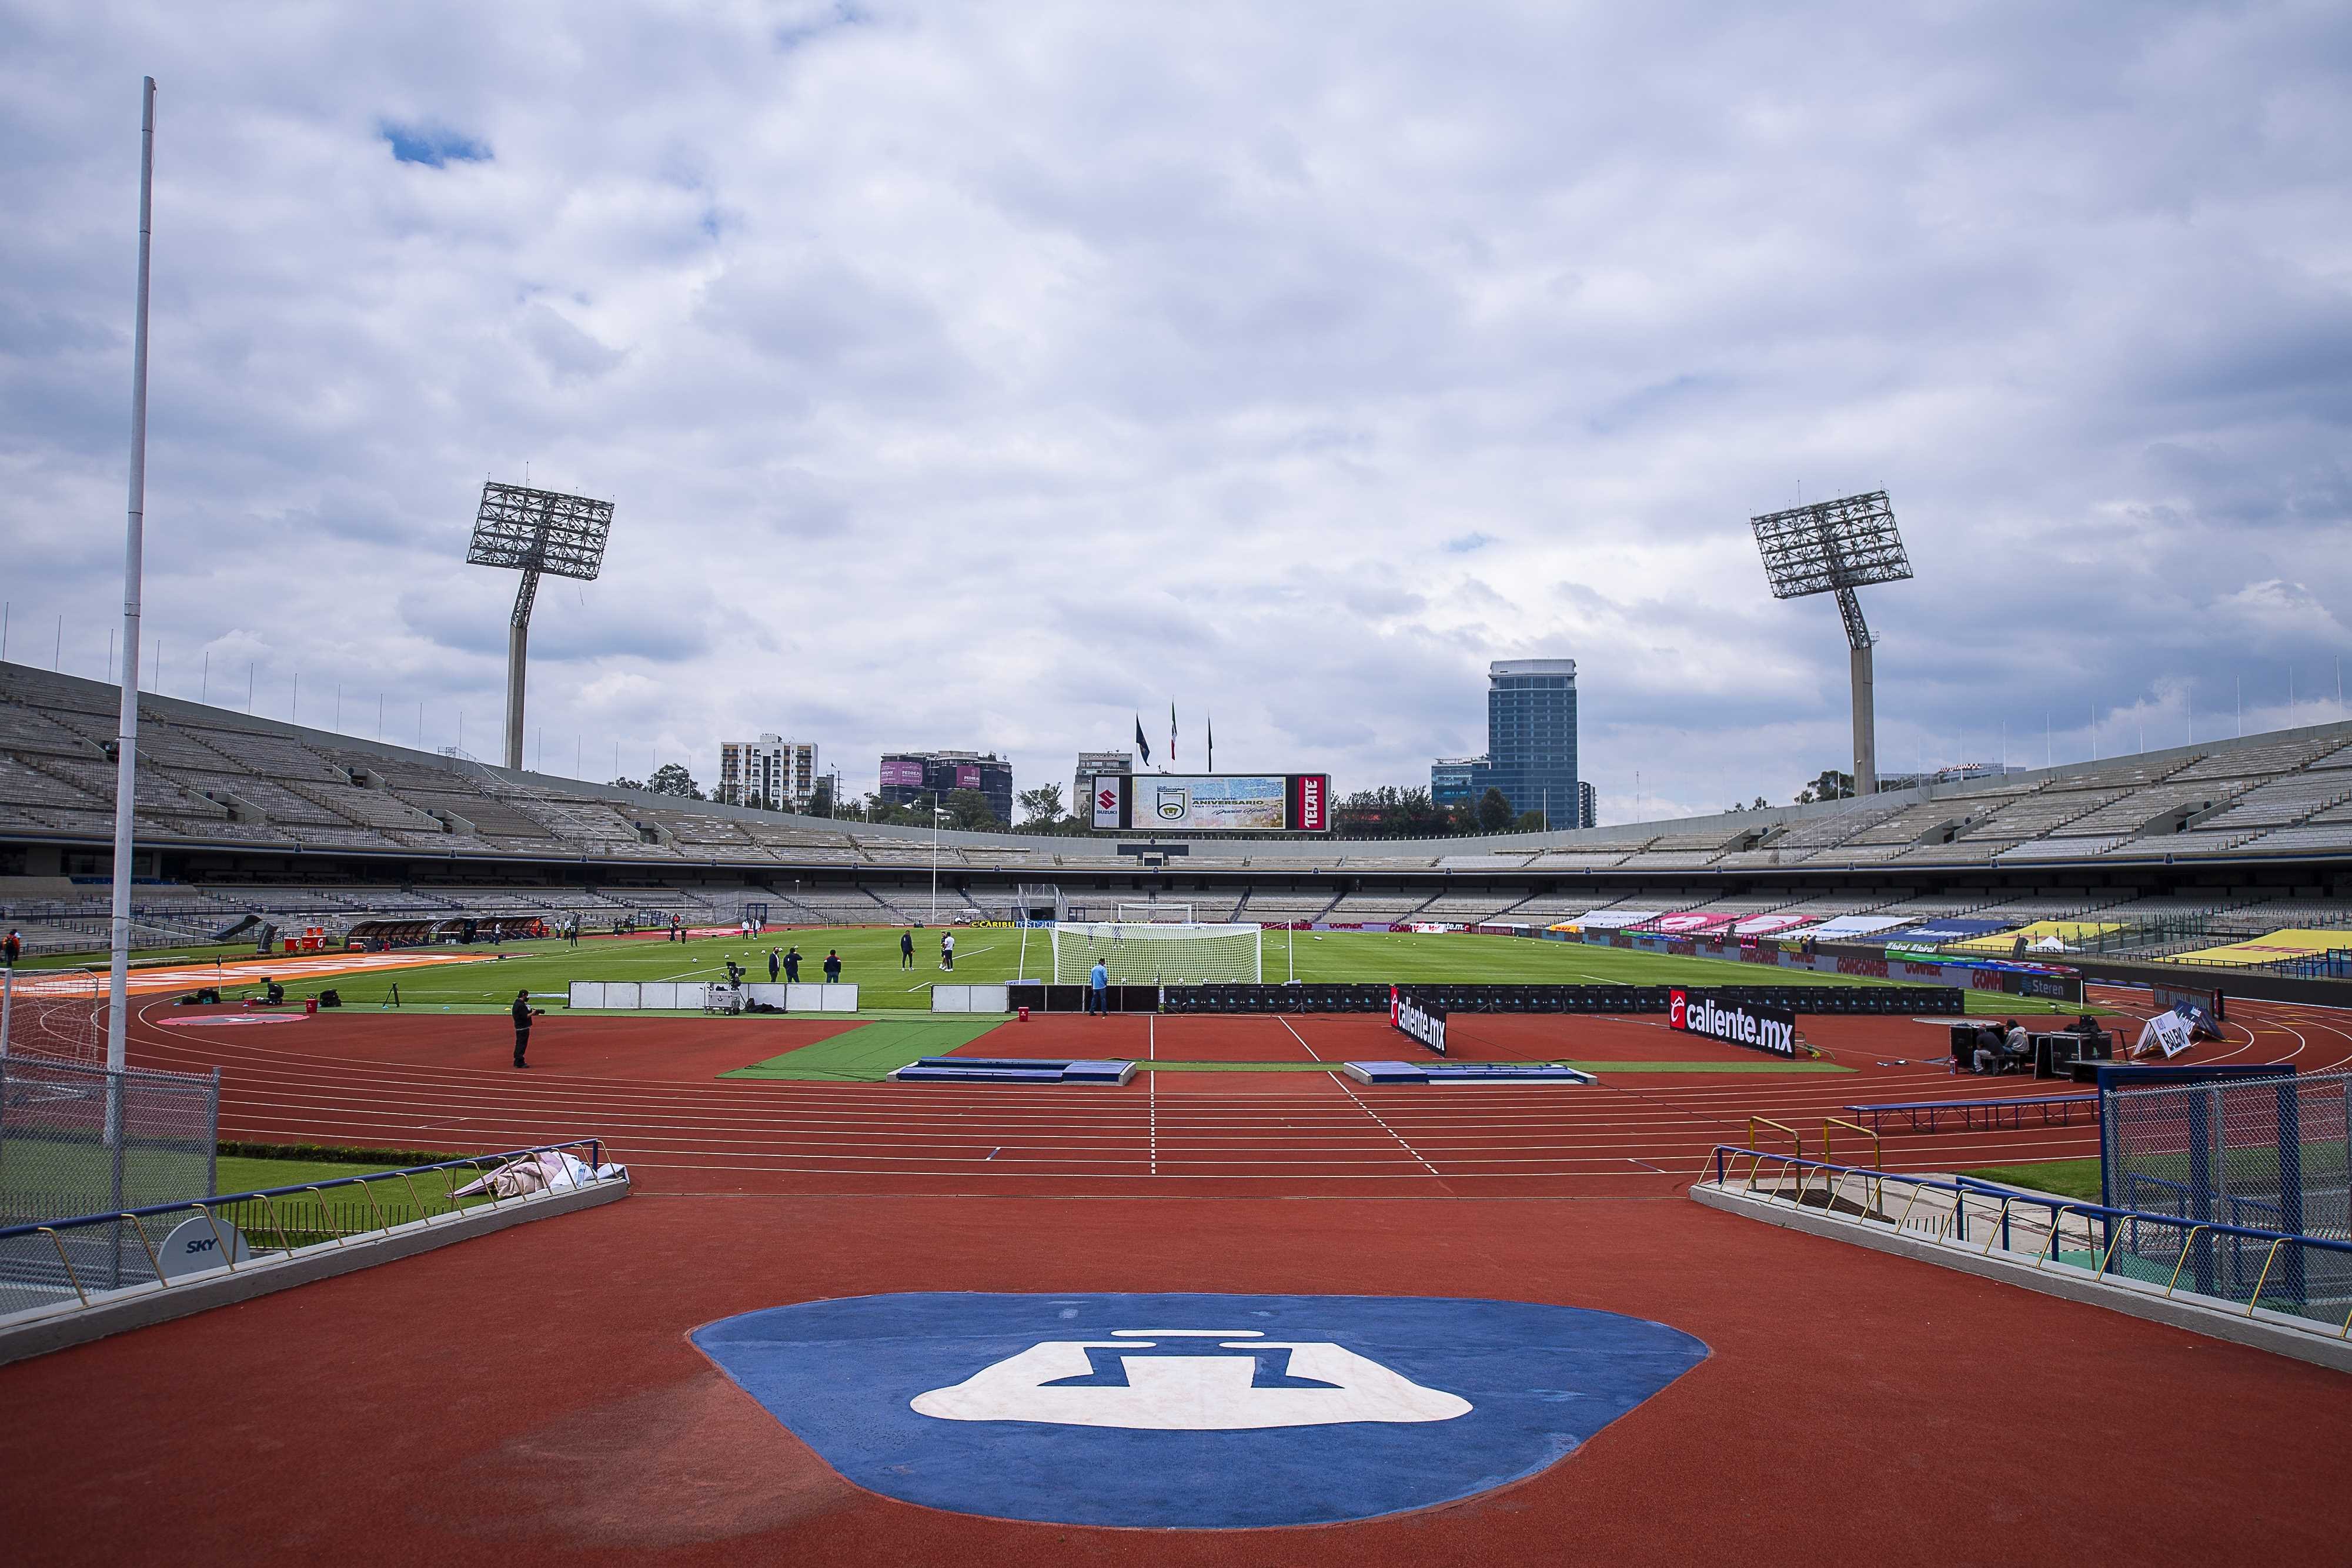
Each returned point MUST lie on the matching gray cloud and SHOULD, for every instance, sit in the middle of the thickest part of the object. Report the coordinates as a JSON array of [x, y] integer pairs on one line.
[[962, 381]]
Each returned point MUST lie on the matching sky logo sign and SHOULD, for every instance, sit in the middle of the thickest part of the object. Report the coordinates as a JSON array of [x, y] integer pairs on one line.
[[1192, 1411], [1740, 1023]]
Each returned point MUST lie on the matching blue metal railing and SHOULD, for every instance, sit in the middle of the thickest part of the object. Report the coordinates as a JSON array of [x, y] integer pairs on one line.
[[102, 1245], [2180, 1244]]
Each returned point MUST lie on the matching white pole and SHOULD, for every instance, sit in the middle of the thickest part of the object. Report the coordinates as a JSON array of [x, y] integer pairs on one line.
[[126, 783], [935, 857], [8, 1004]]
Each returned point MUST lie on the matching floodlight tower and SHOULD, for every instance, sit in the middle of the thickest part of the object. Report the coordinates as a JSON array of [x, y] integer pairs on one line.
[[532, 531], [1837, 546]]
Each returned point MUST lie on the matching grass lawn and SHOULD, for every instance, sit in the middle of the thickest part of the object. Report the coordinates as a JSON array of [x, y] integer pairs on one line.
[[991, 955], [2067, 1178]]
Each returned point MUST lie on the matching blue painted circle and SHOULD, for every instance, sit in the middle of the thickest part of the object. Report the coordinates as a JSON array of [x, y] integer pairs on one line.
[[1165, 1411]]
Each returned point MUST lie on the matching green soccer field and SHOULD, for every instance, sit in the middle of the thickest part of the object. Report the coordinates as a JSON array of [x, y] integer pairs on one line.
[[870, 961]]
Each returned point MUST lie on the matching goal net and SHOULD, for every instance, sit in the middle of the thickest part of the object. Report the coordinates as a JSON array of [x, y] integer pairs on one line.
[[1153, 914], [55, 1013], [1146, 953]]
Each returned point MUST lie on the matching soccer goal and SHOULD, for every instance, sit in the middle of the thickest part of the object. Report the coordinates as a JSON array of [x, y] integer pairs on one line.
[[1149, 953], [1153, 914]]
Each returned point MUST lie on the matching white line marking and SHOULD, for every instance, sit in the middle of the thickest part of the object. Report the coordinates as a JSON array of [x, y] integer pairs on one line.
[[1341, 1080]]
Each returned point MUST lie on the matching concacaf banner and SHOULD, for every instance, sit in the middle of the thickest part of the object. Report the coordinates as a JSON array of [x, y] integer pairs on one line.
[[1213, 802]]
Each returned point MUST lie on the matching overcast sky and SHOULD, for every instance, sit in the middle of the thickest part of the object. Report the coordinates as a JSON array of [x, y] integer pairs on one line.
[[980, 376]]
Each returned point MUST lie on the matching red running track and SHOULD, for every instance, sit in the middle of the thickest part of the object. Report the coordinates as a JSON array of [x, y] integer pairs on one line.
[[533, 1395], [650, 1088]]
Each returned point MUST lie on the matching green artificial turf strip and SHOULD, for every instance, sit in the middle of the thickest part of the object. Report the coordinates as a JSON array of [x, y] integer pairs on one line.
[[871, 1052], [2067, 1178], [992, 955], [239, 1173]]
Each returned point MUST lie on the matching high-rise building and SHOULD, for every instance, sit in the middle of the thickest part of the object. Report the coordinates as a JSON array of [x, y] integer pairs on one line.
[[1457, 779], [911, 778], [771, 772], [1588, 806], [1089, 764], [1531, 737]]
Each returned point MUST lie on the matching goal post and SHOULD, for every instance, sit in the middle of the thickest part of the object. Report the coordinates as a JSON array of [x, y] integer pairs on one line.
[[1149, 953], [1153, 914]]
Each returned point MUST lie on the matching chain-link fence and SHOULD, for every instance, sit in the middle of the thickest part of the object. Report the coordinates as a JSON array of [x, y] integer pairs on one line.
[[2263, 1153], [76, 1140]]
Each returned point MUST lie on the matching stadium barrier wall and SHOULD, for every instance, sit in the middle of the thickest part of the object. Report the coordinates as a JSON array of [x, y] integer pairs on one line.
[[1595, 998], [58, 1298], [971, 1000], [798, 996], [2059, 1247]]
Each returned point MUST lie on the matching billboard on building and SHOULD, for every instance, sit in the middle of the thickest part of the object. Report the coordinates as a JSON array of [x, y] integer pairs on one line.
[[902, 772], [967, 774], [1213, 802]]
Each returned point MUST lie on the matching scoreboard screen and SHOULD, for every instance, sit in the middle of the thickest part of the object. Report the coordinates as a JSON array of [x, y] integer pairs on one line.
[[1213, 802]]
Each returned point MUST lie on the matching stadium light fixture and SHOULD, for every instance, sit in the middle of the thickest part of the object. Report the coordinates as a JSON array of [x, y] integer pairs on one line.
[[1837, 546], [534, 531]]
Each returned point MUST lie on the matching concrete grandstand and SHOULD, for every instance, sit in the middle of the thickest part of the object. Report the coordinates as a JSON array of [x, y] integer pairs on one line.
[[242, 820]]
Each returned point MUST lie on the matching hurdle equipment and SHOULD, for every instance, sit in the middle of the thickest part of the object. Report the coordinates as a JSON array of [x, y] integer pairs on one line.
[[1011, 1070], [1148, 954]]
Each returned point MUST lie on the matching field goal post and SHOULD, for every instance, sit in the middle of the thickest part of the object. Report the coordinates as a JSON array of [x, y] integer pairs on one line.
[[55, 1013], [1151, 953]]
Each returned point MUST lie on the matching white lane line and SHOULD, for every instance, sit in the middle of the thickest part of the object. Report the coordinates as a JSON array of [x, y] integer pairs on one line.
[[1341, 1080]]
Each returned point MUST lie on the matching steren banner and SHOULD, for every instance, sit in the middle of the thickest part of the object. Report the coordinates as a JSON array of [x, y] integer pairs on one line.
[[1213, 802]]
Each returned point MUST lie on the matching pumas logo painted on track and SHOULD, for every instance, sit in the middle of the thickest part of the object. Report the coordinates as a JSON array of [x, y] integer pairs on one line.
[[1189, 1380], [1192, 1411]]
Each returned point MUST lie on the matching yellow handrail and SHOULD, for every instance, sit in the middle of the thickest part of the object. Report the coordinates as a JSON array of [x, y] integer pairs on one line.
[[2190, 1240], [2264, 1279], [1877, 1154]]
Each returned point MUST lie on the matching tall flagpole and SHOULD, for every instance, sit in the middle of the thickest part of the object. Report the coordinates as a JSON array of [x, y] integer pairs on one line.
[[126, 782]]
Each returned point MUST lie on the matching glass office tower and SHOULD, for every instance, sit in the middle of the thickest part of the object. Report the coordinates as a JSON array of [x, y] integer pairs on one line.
[[1531, 737]]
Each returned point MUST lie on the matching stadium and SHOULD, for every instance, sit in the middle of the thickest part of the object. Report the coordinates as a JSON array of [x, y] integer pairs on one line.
[[406, 1156]]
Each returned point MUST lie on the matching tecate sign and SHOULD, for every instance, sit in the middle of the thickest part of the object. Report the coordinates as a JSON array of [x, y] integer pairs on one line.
[[1760, 1028], [1310, 802]]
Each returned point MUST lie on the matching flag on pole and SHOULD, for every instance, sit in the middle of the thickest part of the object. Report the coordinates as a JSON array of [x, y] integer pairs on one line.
[[1212, 727], [1172, 732], [1140, 744]]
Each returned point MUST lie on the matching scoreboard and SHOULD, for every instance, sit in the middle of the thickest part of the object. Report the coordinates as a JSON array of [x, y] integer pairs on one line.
[[1212, 802]]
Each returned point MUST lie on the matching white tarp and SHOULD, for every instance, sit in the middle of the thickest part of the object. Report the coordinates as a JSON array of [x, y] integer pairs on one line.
[[549, 1170], [1858, 924], [1611, 919]]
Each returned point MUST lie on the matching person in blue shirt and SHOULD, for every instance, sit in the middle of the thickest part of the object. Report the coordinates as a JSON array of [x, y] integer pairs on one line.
[[1098, 990]]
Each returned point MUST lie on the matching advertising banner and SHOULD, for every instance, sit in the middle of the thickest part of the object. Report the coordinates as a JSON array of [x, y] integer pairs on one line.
[[1687, 924], [1768, 925], [1310, 802], [967, 776], [2180, 998], [1110, 800], [1424, 1022], [1739, 1023], [1213, 802], [901, 772]]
